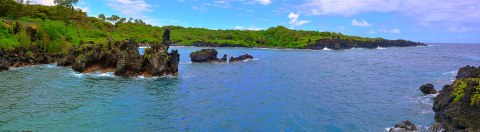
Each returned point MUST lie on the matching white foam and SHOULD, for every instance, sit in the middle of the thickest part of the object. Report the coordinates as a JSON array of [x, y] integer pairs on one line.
[[381, 47], [93, 74], [454, 72], [326, 48], [254, 59], [184, 63]]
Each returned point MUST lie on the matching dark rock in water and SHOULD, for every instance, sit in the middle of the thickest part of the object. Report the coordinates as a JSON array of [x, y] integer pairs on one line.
[[172, 64], [158, 62], [204, 55], [241, 58], [428, 89], [67, 60], [468, 72], [437, 127], [404, 126], [123, 59], [166, 38], [223, 59], [4, 64]]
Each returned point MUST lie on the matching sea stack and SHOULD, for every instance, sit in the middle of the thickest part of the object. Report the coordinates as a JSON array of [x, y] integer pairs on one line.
[[207, 55]]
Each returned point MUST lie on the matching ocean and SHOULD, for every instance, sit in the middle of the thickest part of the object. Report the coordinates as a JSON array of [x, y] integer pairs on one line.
[[279, 90]]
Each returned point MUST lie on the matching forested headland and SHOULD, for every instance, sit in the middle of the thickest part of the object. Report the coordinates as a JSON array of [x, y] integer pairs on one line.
[[25, 27]]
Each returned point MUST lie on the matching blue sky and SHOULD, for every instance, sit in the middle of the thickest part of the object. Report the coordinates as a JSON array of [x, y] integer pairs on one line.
[[437, 21]]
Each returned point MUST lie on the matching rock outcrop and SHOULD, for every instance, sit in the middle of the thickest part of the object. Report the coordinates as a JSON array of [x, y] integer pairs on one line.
[[120, 57], [20, 59], [404, 126], [241, 58], [468, 72], [206, 55], [123, 59], [428, 89], [66, 60], [457, 106]]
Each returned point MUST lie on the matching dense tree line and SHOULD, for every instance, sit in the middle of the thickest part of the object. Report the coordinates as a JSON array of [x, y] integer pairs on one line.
[[37, 28]]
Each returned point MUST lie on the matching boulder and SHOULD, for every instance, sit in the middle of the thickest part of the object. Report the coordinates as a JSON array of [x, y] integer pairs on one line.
[[223, 59], [67, 60], [4, 64], [428, 89], [241, 58], [468, 72], [204, 55], [404, 126], [437, 127]]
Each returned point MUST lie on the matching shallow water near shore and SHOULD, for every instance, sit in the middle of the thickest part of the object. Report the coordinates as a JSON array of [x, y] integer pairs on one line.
[[280, 90]]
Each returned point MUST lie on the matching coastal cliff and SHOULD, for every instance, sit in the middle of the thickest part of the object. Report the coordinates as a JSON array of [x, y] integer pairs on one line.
[[457, 106]]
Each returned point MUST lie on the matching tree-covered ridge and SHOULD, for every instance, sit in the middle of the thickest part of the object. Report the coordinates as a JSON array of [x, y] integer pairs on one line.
[[61, 28], [279, 36]]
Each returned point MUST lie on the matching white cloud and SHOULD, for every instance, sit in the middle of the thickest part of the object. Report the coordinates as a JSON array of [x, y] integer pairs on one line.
[[248, 28], [294, 20], [437, 14], [131, 8], [458, 29], [362, 23], [263, 2], [395, 30], [44, 2], [202, 7], [85, 9]]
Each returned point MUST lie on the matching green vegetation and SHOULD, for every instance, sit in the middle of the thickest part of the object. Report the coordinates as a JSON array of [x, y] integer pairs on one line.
[[461, 85], [61, 28]]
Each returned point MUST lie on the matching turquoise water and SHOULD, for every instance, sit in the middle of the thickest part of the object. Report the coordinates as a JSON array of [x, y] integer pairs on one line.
[[281, 90]]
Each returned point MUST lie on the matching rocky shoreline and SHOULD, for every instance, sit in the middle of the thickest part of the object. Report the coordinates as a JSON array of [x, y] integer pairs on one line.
[[330, 43], [121, 57], [457, 105]]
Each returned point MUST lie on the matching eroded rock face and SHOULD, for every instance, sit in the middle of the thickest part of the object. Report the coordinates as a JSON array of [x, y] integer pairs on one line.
[[404, 126], [241, 58], [455, 106], [204, 55], [123, 59], [66, 60], [458, 115], [468, 72], [428, 89], [4, 64]]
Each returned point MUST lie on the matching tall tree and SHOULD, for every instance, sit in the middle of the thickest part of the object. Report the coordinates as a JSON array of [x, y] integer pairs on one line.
[[102, 17], [65, 3]]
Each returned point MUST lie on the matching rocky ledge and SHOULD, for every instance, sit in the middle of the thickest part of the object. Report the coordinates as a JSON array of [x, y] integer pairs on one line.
[[457, 106], [123, 59], [210, 55], [20, 59], [120, 57]]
